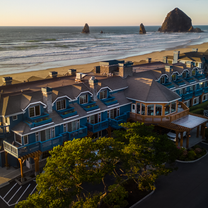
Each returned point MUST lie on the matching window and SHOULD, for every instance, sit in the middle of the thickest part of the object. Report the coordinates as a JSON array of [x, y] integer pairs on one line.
[[191, 88], [18, 138], [143, 110], [173, 107], [83, 99], [193, 72], [73, 126], [162, 80], [61, 104], [25, 139], [204, 97], [64, 128], [34, 111], [196, 101], [113, 113], [174, 76], [150, 110], [53, 132], [138, 108], [45, 135], [14, 118], [103, 94], [184, 90], [184, 74], [167, 109], [201, 84], [187, 103], [158, 110], [37, 136]]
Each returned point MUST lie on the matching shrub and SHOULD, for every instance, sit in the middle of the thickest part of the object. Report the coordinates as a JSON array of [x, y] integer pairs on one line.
[[191, 155]]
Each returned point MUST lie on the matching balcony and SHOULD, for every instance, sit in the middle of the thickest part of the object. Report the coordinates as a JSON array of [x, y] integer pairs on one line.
[[115, 123], [98, 126], [187, 96], [190, 79], [19, 151], [49, 144], [205, 89], [169, 85], [200, 76], [198, 92], [109, 101], [81, 132], [68, 112], [179, 82], [39, 120], [89, 106], [4, 131]]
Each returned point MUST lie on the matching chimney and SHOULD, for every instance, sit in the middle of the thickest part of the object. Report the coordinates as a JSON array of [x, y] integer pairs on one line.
[[125, 69], [165, 59], [93, 85], [79, 77], [176, 56], [47, 98], [194, 49], [72, 72], [169, 71], [53, 74], [148, 60], [7, 80]]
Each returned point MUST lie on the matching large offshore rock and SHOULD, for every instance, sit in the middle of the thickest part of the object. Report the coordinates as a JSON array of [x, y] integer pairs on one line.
[[177, 21], [142, 29], [86, 29]]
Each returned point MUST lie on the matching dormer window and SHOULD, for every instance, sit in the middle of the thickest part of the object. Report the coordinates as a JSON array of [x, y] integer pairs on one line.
[[184, 75], [83, 99], [61, 104], [103, 94], [162, 80], [34, 111], [174, 77]]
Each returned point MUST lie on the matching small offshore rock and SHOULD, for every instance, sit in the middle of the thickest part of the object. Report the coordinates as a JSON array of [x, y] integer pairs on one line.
[[86, 29], [142, 29]]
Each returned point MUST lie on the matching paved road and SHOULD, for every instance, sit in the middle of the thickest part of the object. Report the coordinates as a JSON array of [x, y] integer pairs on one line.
[[185, 188], [13, 193]]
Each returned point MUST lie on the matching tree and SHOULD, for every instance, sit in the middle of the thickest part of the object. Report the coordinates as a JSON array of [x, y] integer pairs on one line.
[[136, 153]]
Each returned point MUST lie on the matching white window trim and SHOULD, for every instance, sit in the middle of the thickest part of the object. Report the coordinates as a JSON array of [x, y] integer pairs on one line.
[[196, 98], [86, 100], [203, 97], [16, 140], [34, 111], [24, 139], [60, 104]]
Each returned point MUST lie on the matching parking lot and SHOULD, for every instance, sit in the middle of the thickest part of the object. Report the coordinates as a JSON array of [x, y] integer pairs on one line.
[[12, 193]]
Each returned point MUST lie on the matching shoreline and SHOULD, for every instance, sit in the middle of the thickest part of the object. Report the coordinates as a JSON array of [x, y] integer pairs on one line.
[[84, 68]]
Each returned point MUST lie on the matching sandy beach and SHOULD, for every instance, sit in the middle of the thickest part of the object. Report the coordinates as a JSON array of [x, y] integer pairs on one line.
[[156, 56]]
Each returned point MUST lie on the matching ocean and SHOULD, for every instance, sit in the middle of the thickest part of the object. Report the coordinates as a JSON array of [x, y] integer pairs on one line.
[[25, 49]]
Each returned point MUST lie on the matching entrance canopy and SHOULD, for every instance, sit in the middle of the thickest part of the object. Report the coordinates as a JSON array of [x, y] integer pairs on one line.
[[190, 121]]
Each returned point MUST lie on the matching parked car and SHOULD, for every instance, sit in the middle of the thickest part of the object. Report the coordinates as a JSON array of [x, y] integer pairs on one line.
[[172, 135]]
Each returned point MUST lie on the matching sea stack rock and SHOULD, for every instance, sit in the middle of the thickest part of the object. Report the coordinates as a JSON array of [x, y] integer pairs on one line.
[[177, 21], [86, 29], [142, 29]]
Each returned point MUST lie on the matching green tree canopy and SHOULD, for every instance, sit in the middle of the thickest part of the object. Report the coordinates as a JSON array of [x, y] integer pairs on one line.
[[136, 153]]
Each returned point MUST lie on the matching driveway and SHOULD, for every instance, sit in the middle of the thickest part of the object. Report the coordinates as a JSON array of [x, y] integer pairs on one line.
[[185, 187]]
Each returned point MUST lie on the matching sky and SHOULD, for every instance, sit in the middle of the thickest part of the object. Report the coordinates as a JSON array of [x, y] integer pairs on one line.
[[97, 12]]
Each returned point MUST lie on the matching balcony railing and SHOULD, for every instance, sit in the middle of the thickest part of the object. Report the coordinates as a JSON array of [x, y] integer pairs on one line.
[[187, 96], [179, 82], [68, 112], [81, 132], [89, 106], [169, 85], [98, 126], [200, 76], [198, 92], [205, 89], [19, 151], [115, 123], [159, 119], [37, 121], [190, 79], [109, 101]]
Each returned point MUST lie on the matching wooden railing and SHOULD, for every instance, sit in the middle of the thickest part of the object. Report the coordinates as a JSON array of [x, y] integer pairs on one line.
[[159, 119]]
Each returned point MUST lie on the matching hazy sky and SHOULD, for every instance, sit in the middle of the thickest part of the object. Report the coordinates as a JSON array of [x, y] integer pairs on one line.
[[97, 12]]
